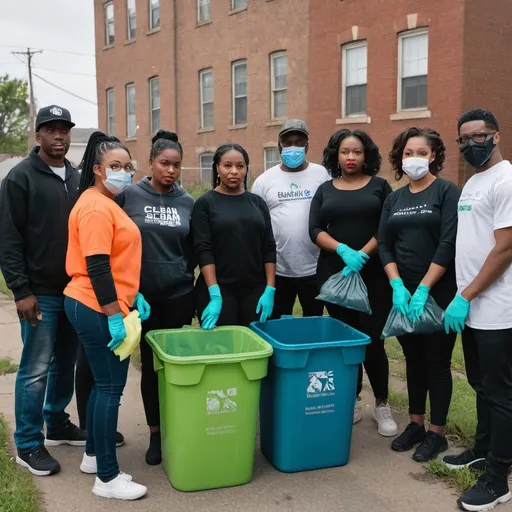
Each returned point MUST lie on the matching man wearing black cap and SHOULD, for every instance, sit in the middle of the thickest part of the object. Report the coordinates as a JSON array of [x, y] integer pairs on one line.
[[36, 198], [288, 189]]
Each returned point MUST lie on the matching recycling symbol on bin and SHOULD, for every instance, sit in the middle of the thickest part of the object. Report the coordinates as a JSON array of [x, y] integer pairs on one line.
[[320, 382], [221, 401]]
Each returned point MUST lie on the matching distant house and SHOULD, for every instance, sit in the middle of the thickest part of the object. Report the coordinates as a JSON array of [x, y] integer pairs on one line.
[[79, 138], [7, 162]]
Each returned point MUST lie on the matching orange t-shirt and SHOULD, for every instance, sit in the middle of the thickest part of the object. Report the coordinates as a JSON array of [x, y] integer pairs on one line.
[[97, 225]]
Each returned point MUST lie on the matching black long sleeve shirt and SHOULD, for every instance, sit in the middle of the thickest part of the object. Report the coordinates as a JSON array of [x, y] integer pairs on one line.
[[419, 229], [234, 233]]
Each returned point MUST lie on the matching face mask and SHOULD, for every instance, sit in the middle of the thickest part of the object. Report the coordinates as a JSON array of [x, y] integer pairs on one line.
[[116, 182], [477, 154], [415, 167], [293, 156]]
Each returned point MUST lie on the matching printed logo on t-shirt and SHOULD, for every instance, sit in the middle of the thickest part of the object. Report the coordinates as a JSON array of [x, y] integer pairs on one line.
[[295, 193], [414, 210], [162, 215]]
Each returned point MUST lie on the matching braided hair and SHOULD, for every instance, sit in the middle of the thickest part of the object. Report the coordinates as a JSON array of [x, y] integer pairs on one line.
[[162, 140], [97, 145], [218, 156]]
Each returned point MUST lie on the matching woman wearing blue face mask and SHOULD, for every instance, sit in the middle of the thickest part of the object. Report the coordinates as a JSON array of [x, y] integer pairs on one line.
[[417, 235]]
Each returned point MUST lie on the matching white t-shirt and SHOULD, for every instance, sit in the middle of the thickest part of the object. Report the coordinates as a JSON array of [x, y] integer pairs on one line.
[[60, 172], [484, 206], [288, 196]]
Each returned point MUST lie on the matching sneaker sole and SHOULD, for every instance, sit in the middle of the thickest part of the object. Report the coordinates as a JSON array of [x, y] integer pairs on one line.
[[35, 472], [108, 494], [434, 455], [382, 433], [52, 442], [462, 466], [487, 506]]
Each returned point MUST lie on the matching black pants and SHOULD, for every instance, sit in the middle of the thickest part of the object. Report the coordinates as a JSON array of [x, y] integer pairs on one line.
[[169, 314], [488, 357], [287, 290]]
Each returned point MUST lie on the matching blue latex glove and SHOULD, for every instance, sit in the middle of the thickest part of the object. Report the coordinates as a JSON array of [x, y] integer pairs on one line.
[[456, 314], [353, 259], [347, 271], [211, 314], [401, 296], [141, 305], [117, 331], [418, 301], [266, 304]]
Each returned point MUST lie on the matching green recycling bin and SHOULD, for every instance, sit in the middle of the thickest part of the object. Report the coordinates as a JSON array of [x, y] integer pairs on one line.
[[209, 391]]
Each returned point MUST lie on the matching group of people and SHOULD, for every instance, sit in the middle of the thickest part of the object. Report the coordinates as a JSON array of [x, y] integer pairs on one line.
[[81, 250]]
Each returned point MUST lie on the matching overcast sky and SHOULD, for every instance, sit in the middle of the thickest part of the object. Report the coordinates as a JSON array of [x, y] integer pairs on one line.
[[60, 26]]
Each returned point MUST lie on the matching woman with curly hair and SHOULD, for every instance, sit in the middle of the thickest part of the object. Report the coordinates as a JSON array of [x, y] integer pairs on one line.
[[417, 235], [344, 219]]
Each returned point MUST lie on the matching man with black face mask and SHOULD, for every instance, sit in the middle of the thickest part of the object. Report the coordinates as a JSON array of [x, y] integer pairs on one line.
[[482, 309]]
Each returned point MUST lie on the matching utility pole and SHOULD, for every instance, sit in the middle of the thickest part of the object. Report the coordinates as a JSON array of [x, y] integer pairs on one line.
[[32, 107]]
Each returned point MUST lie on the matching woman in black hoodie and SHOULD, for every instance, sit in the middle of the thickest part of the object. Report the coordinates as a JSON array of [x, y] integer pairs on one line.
[[161, 209]]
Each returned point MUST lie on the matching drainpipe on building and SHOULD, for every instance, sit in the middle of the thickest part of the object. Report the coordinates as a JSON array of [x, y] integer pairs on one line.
[[175, 28]]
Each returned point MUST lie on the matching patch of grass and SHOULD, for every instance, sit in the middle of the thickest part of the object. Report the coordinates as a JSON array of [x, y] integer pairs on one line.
[[3, 286], [197, 190], [460, 479], [7, 366], [18, 493]]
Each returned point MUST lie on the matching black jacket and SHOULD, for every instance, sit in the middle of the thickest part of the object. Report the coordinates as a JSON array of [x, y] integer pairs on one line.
[[34, 210]]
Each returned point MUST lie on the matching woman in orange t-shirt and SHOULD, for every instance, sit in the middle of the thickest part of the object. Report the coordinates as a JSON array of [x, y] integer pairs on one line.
[[104, 259]]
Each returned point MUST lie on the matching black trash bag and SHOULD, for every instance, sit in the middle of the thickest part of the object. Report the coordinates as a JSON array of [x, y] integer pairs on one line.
[[430, 321], [346, 291]]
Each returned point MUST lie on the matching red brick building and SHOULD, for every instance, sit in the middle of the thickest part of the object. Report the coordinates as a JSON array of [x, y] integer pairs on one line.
[[218, 71]]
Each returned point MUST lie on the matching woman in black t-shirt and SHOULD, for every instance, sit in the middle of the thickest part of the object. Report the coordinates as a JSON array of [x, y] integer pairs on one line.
[[417, 248], [344, 219]]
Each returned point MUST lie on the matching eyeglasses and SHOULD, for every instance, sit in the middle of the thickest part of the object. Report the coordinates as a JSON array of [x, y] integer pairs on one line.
[[128, 168], [476, 137]]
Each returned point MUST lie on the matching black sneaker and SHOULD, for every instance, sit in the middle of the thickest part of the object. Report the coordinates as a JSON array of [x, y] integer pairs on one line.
[[413, 434], [431, 446], [486, 494], [154, 453], [38, 461], [119, 439], [467, 459], [69, 434]]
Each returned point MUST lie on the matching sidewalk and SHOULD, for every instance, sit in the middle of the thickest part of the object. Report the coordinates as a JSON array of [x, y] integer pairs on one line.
[[375, 479]]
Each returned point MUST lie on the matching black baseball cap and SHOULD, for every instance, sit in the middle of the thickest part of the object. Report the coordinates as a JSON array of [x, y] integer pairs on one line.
[[53, 114], [294, 125]]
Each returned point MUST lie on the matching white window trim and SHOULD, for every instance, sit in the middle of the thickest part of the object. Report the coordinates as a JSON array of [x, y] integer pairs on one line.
[[111, 114], [105, 22], [345, 48], [242, 62], [128, 35], [151, 109], [201, 73], [199, 20], [128, 86], [151, 27], [401, 37], [265, 149], [273, 56], [206, 153], [234, 8]]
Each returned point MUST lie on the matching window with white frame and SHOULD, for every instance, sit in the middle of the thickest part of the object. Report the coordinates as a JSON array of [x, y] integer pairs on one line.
[[110, 112], [413, 70], [205, 165], [271, 158], [131, 20], [154, 14], [154, 103], [279, 84], [239, 92], [354, 66], [203, 11], [206, 93], [109, 23], [131, 122], [238, 4]]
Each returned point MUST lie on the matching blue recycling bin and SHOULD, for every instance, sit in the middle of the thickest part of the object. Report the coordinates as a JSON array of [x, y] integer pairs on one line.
[[307, 400]]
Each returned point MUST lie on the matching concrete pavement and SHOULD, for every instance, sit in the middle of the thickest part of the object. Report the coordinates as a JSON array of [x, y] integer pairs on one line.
[[375, 479]]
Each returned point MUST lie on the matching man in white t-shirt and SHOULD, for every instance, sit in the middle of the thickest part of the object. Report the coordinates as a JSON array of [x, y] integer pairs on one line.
[[482, 310], [288, 189]]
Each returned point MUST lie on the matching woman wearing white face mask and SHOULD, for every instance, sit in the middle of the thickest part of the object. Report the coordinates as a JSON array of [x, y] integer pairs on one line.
[[417, 235]]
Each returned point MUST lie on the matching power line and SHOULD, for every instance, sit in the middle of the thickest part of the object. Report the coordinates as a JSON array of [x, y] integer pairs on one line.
[[64, 72], [64, 90], [51, 50]]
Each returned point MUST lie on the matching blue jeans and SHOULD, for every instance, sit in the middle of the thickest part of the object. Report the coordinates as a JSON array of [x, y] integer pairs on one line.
[[110, 376], [47, 367]]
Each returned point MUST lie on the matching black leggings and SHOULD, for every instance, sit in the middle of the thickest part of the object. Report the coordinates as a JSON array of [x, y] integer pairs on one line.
[[170, 314], [289, 288]]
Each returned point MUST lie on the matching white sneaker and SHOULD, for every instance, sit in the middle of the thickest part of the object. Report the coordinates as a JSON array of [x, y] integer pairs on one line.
[[89, 466], [385, 423], [358, 413], [119, 489]]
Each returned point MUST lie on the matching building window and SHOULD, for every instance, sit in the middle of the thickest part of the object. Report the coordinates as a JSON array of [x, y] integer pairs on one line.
[[354, 68], [238, 4], [239, 92], [206, 85], [271, 158], [154, 14], [131, 21], [109, 23], [279, 79], [131, 123], [110, 112], [203, 11], [154, 103], [205, 164], [413, 70]]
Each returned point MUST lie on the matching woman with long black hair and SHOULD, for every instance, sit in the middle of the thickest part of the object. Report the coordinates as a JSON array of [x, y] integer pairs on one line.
[[344, 220], [234, 245]]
